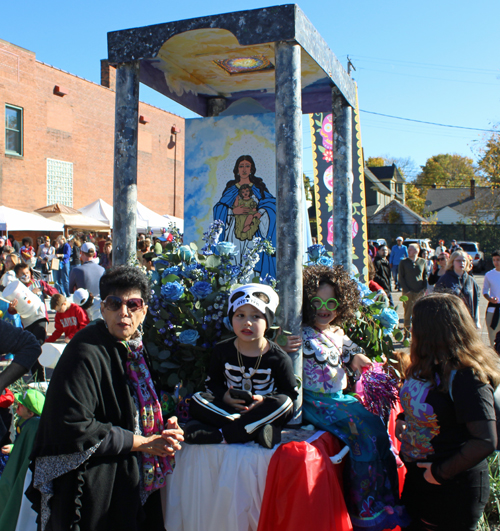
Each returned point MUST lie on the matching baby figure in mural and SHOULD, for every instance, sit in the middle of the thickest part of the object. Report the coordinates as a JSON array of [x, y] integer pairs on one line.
[[246, 225]]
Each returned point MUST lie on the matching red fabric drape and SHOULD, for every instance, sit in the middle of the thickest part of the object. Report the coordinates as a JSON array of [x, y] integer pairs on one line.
[[304, 489]]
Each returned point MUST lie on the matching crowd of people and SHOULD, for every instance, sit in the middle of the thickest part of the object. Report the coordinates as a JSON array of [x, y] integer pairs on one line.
[[411, 270], [99, 449]]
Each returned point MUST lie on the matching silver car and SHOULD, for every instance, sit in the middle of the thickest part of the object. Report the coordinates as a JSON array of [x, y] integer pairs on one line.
[[477, 256]]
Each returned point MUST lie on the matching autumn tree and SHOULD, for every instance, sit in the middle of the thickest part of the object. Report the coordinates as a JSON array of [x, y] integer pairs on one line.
[[448, 171], [489, 161]]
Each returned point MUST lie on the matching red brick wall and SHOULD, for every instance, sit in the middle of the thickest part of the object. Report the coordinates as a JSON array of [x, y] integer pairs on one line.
[[79, 128]]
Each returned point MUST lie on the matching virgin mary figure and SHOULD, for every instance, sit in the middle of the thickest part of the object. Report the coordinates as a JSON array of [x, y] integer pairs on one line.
[[229, 207]]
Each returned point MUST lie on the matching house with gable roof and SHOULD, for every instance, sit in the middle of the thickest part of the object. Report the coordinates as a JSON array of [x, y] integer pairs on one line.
[[463, 205]]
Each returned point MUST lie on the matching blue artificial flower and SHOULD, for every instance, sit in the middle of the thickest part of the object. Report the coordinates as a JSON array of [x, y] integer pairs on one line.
[[325, 260], [226, 249], [389, 319], [188, 269], [315, 252], [186, 253], [188, 337], [173, 270], [201, 289], [172, 291]]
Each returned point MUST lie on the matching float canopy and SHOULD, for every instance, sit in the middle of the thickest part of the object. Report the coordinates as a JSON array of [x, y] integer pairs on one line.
[[231, 56]]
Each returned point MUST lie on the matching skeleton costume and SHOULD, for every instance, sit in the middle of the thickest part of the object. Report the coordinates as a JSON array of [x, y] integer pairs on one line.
[[269, 375]]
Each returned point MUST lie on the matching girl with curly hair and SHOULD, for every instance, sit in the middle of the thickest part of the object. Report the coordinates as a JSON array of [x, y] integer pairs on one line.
[[330, 299]]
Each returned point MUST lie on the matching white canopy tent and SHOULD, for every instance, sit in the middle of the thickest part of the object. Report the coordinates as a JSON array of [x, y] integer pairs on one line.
[[146, 217], [16, 220]]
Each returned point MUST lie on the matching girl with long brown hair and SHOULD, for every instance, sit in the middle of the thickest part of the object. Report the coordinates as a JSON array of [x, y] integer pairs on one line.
[[449, 425]]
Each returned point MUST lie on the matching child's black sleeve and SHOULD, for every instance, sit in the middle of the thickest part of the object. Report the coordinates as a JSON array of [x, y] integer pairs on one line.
[[216, 382], [286, 381]]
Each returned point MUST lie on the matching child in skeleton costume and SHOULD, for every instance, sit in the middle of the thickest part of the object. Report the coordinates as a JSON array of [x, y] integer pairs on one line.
[[250, 363], [370, 476]]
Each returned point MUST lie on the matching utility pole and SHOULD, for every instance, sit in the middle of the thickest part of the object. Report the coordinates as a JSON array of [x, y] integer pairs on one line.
[[350, 65]]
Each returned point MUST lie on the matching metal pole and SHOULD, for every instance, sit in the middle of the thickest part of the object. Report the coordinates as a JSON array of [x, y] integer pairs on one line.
[[342, 180], [289, 196], [125, 168]]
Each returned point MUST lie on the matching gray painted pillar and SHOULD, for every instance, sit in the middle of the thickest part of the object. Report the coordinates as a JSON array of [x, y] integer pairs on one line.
[[289, 196], [342, 180], [125, 168], [215, 106]]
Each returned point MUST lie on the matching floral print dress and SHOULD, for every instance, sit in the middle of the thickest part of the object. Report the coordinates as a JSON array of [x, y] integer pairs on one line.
[[370, 475]]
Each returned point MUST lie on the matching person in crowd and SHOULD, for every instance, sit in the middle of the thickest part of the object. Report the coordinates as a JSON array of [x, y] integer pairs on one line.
[[383, 271], [102, 423], [13, 243], [161, 243], [454, 247], [440, 249], [10, 263], [69, 320], [106, 257], [147, 260], [148, 245], [89, 303], [87, 275], [61, 276], [250, 382], [26, 350], [413, 280], [398, 253], [2, 244], [438, 268], [458, 280], [36, 322], [448, 427], [157, 246], [27, 252], [375, 286], [44, 251], [491, 292], [424, 254], [74, 261], [141, 250], [331, 298], [29, 408], [38, 286]]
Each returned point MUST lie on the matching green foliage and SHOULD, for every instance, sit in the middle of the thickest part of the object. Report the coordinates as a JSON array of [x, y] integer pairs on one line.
[[368, 332], [448, 171], [490, 520], [489, 160]]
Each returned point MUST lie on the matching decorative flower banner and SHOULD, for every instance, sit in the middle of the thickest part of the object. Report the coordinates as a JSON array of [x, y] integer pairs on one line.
[[322, 148]]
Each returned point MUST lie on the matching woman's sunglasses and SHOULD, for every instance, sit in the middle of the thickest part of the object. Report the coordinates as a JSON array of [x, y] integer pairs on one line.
[[330, 304], [114, 303]]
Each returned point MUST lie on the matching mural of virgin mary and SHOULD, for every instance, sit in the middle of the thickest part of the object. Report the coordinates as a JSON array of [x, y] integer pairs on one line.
[[231, 205]]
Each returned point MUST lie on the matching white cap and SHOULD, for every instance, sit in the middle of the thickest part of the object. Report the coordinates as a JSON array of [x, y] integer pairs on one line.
[[80, 296], [246, 295], [399, 238], [88, 247]]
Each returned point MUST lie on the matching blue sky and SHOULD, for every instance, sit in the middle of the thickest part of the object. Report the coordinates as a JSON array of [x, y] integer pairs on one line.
[[435, 61]]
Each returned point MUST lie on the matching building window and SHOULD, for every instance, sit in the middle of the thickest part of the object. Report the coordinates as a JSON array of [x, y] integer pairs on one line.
[[13, 130], [59, 182]]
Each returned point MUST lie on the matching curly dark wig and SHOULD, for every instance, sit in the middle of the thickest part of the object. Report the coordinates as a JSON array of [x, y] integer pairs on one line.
[[120, 279], [345, 289]]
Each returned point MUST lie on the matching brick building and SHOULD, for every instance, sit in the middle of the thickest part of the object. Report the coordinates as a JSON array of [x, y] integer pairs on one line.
[[58, 144]]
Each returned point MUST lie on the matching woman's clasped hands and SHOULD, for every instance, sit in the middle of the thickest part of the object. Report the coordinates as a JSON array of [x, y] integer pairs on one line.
[[162, 445]]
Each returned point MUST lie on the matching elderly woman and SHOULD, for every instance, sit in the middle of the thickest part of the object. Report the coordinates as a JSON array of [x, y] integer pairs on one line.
[[457, 280], [102, 450]]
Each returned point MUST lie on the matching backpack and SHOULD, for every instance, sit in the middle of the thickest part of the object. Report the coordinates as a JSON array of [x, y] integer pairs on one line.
[[496, 403]]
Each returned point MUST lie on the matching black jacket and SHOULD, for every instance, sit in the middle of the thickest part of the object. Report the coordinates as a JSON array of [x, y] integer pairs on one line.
[[382, 273]]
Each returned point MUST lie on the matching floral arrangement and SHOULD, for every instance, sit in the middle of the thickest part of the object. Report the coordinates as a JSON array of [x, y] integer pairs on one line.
[[187, 312]]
